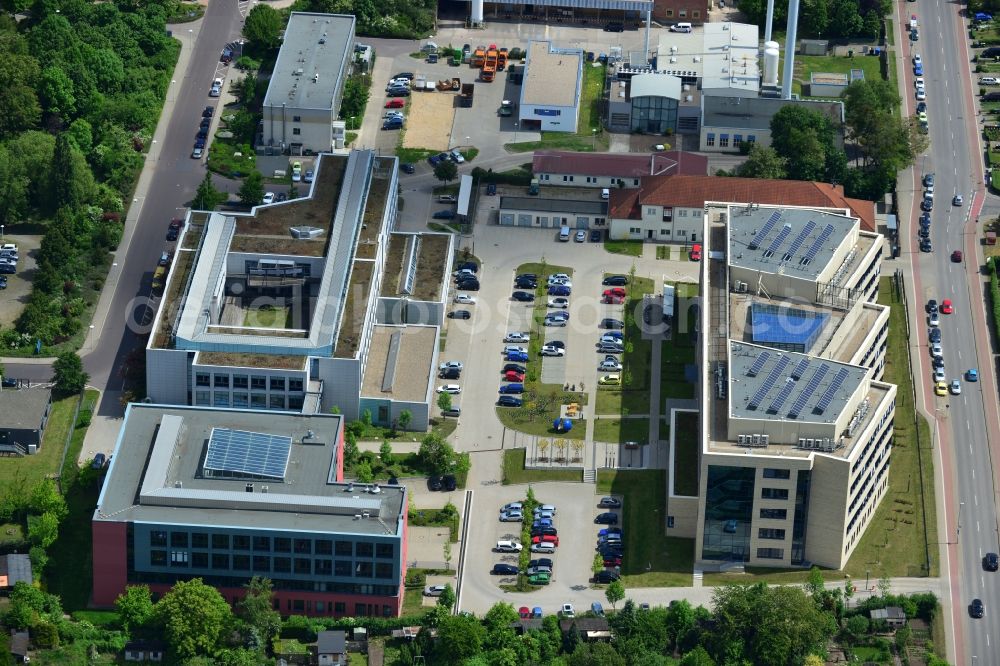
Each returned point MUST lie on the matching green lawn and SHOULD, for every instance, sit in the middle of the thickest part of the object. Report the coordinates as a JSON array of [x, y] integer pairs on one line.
[[621, 430], [515, 473], [630, 247], [677, 353], [584, 139], [686, 454], [269, 317], [436, 518], [24, 472], [651, 558], [804, 65], [414, 154], [663, 252]]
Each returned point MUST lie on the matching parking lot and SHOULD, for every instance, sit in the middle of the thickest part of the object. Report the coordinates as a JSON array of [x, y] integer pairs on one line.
[[15, 296]]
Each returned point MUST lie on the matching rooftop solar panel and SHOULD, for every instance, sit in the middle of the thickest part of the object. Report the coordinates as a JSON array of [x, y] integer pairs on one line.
[[779, 240], [758, 364], [248, 453], [762, 234], [800, 369], [799, 240], [817, 245], [782, 396], [768, 383], [830, 392], [810, 388]]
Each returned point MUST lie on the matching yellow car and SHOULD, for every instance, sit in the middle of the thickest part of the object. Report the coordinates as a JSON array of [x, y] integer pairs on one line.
[[940, 388], [159, 276], [610, 379]]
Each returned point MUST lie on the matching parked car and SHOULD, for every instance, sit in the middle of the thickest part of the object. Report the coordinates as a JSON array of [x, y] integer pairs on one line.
[[459, 314], [581, 236], [991, 562], [491, 189], [174, 229], [606, 519], [434, 590], [615, 280], [540, 579], [406, 167], [509, 401], [607, 576], [616, 291], [395, 104], [511, 376], [456, 156], [512, 388], [544, 547], [513, 367], [550, 350], [450, 373], [567, 611], [559, 290], [525, 283], [519, 357], [511, 516], [505, 570], [98, 462], [434, 482], [508, 546], [453, 389], [468, 285], [444, 215], [268, 198], [610, 503], [559, 302], [517, 336], [595, 236], [208, 112], [609, 365], [464, 299], [309, 176], [617, 324], [523, 296]]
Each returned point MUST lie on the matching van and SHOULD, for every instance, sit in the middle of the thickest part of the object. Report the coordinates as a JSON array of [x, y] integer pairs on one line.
[[605, 194], [989, 81], [533, 188], [564, 234], [681, 27]]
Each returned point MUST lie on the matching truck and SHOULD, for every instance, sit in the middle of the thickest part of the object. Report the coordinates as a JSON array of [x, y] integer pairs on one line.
[[478, 57], [465, 97], [490, 66], [501, 59]]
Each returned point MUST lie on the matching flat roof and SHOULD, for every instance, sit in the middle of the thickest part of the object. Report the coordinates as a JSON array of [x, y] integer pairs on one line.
[[430, 251], [399, 363], [722, 55], [787, 386], [311, 63], [552, 75], [157, 475], [619, 165], [22, 409], [625, 5], [554, 205], [655, 84], [756, 112], [798, 242]]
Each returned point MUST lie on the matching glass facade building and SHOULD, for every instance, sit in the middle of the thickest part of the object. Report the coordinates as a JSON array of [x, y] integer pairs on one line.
[[728, 512]]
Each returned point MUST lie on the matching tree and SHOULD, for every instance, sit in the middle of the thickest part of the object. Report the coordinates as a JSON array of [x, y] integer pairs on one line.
[[446, 171], [69, 376], [459, 637], [46, 498], [762, 162], [680, 623], [256, 609], [444, 402], [543, 448], [405, 418], [446, 551], [43, 530], [598, 564], [805, 139], [207, 197], [814, 584], [194, 617], [363, 472], [697, 657], [813, 660], [857, 626], [135, 607], [447, 599], [845, 18], [615, 592], [350, 449], [71, 182], [56, 92], [436, 454], [814, 18], [251, 192], [263, 27]]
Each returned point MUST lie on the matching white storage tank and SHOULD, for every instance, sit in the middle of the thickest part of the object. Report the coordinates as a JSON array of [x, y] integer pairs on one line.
[[771, 56]]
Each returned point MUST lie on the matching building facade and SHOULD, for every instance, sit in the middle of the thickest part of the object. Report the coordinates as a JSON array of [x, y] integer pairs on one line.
[[229, 494], [553, 213], [550, 92], [727, 122], [607, 170], [303, 97]]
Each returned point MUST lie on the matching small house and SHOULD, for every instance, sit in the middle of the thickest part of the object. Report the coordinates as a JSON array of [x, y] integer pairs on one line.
[[19, 646], [590, 628], [331, 648], [144, 651], [891, 615], [14, 568], [23, 415]]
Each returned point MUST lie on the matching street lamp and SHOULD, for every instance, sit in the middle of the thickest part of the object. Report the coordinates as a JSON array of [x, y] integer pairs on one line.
[[515, 132], [961, 505], [868, 573], [1, 233], [593, 133]]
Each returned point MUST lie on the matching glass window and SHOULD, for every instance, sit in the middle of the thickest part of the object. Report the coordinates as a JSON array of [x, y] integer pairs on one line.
[[296, 131], [323, 567], [221, 399], [323, 546], [771, 553], [258, 382], [241, 400], [772, 473], [364, 570], [303, 546], [178, 558], [345, 548], [158, 558], [277, 383], [774, 493], [277, 401], [261, 563], [294, 384], [295, 401], [342, 568], [737, 139], [179, 539], [774, 514], [282, 544], [262, 543], [303, 565], [202, 398], [296, 119], [220, 561], [199, 560], [282, 564], [221, 381], [384, 550], [751, 138], [157, 538], [202, 379], [710, 139], [258, 400], [798, 554], [771, 533], [220, 541], [728, 512], [383, 570], [241, 542], [241, 562], [363, 549], [241, 381], [723, 141], [199, 540]]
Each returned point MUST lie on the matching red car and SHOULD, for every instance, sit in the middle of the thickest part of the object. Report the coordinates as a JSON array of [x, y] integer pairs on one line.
[[613, 300], [395, 103], [615, 291], [613, 562], [696, 252], [513, 376], [545, 538], [524, 612], [946, 307], [956, 256]]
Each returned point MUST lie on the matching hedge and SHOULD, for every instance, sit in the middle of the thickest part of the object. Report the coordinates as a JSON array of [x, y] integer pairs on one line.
[[994, 294]]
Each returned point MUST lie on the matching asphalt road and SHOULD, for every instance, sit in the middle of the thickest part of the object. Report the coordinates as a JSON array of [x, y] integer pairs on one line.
[[961, 420]]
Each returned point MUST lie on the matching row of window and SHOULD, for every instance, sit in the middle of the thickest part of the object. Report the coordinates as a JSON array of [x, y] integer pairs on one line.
[[254, 400], [774, 514], [773, 473], [724, 140], [304, 566], [682, 13], [332, 608], [775, 533], [771, 553], [774, 493], [255, 382], [275, 544]]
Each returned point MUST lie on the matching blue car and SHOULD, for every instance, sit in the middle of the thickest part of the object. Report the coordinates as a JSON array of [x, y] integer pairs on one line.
[[559, 290], [918, 69], [544, 522], [972, 375], [519, 357], [434, 160], [515, 387], [444, 215], [509, 401]]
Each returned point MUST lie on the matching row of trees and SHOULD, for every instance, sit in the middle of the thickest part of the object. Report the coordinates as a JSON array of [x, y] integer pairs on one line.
[[404, 19], [825, 18], [804, 145]]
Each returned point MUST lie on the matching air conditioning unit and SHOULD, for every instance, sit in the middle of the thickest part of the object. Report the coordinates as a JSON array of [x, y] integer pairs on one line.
[[741, 439], [802, 442], [765, 439], [810, 443], [756, 440]]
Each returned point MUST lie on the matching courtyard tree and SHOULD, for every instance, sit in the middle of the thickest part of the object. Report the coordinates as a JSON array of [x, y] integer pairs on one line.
[[436, 454], [446, 171], [251, 192], [256, 609], [404, 419], [615, 592], [263, 27], [194, 617], [68, 373], [207, 197], [444, 402], [135, 607]]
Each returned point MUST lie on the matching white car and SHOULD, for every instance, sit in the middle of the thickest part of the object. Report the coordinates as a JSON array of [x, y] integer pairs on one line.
[[934, 319], [936, 350], [917, 60], [544, 547], [451, 365], [921, 95], [567, 610], [511, 516], [517, 336], [548, 350], [515, 349], [457, 157], [554, 321], [434, 590], [389, 115], [610, 365], [939, 375], [508, 546], [561, 282], [268, 197], [512, 506], [447, 198], [465, 299], [555, 277], [559, 302], [453, 389], [955, 387], [398, 82], [918, 82], [581, 236], [545, 508]]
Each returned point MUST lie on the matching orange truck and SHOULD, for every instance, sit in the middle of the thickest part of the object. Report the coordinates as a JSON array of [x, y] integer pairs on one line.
[[490, 66], [501, 59], [478, 57]]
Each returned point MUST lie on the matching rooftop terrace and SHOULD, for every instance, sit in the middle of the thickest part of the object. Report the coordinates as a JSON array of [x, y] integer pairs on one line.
[[355, 309], [399, 363], [432, 265], [245, 360]]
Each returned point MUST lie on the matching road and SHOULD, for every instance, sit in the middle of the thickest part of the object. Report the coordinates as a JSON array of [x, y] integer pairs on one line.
[[963, 425], [173, 180]]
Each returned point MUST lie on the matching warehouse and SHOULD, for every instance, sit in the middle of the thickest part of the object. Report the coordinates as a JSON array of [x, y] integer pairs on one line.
[[550, 94]]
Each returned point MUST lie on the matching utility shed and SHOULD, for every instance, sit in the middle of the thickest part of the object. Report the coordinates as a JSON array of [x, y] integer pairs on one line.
[[23, 415]]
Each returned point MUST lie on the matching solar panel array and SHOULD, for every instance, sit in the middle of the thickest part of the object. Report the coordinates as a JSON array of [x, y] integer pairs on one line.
[[762, 234], [782, 396], [248, 453], [800, 369], [778, 241], [831, 390], [768, 383], [799, 240], [817, 245], [758, 364], [811, 386]]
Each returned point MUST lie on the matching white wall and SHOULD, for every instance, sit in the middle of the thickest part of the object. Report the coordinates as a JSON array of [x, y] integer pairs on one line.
[[167, 376], [314, 126]]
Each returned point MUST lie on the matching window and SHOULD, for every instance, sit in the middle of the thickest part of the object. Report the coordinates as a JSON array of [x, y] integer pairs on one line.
[[220, 561], [774, 493], [303, 565], [199, 540], [241, 562], [221, 399], [774, 514], [158, 558], [751, 139], [258, 400], [221, 381], [728, 512], [342, 568], [599, 221], [682, 13], [262, 543], [296, 131], [383, 570], [220, 541], [179, 539], [241, 542], [670, 13], [323, 547], [303, 546], [157, 538], [277, 401], [282, 544], [771, 533], [772, 473], [723, 141], [202, 398], [682, 212], [696, 14], [241, 400], [261, 563], [277, 383], [324, 567], [364, 549], [664, 232], [296, 119], [771, 553], [258, 382], [296, 401], [199, 560], [345, 548], [294, 384], [710, 139], [241, 381], [737, 139], [384, 550], [634, 230], [282, 564], [178, 558], [364, 570], [202, 379], [650, 211], [670, 522], [339, 607]]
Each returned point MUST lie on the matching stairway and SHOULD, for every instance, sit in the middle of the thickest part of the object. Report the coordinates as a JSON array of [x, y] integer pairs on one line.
[[590, 476]]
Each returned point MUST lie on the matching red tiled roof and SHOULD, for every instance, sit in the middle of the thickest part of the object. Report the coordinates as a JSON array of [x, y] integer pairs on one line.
[[619, 165], [693, 191]]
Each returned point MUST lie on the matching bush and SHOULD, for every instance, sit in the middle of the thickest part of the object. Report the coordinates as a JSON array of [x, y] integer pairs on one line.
[[513, 177], [994, 294]]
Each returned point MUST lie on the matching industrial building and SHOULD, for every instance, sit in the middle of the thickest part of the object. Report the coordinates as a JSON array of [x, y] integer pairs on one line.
[[607, 170], [671, 209], [305, 305], [302, 104], [727, 122], [576, 213], [550, 92], [795, 423], [224, 495], [631, 13]]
